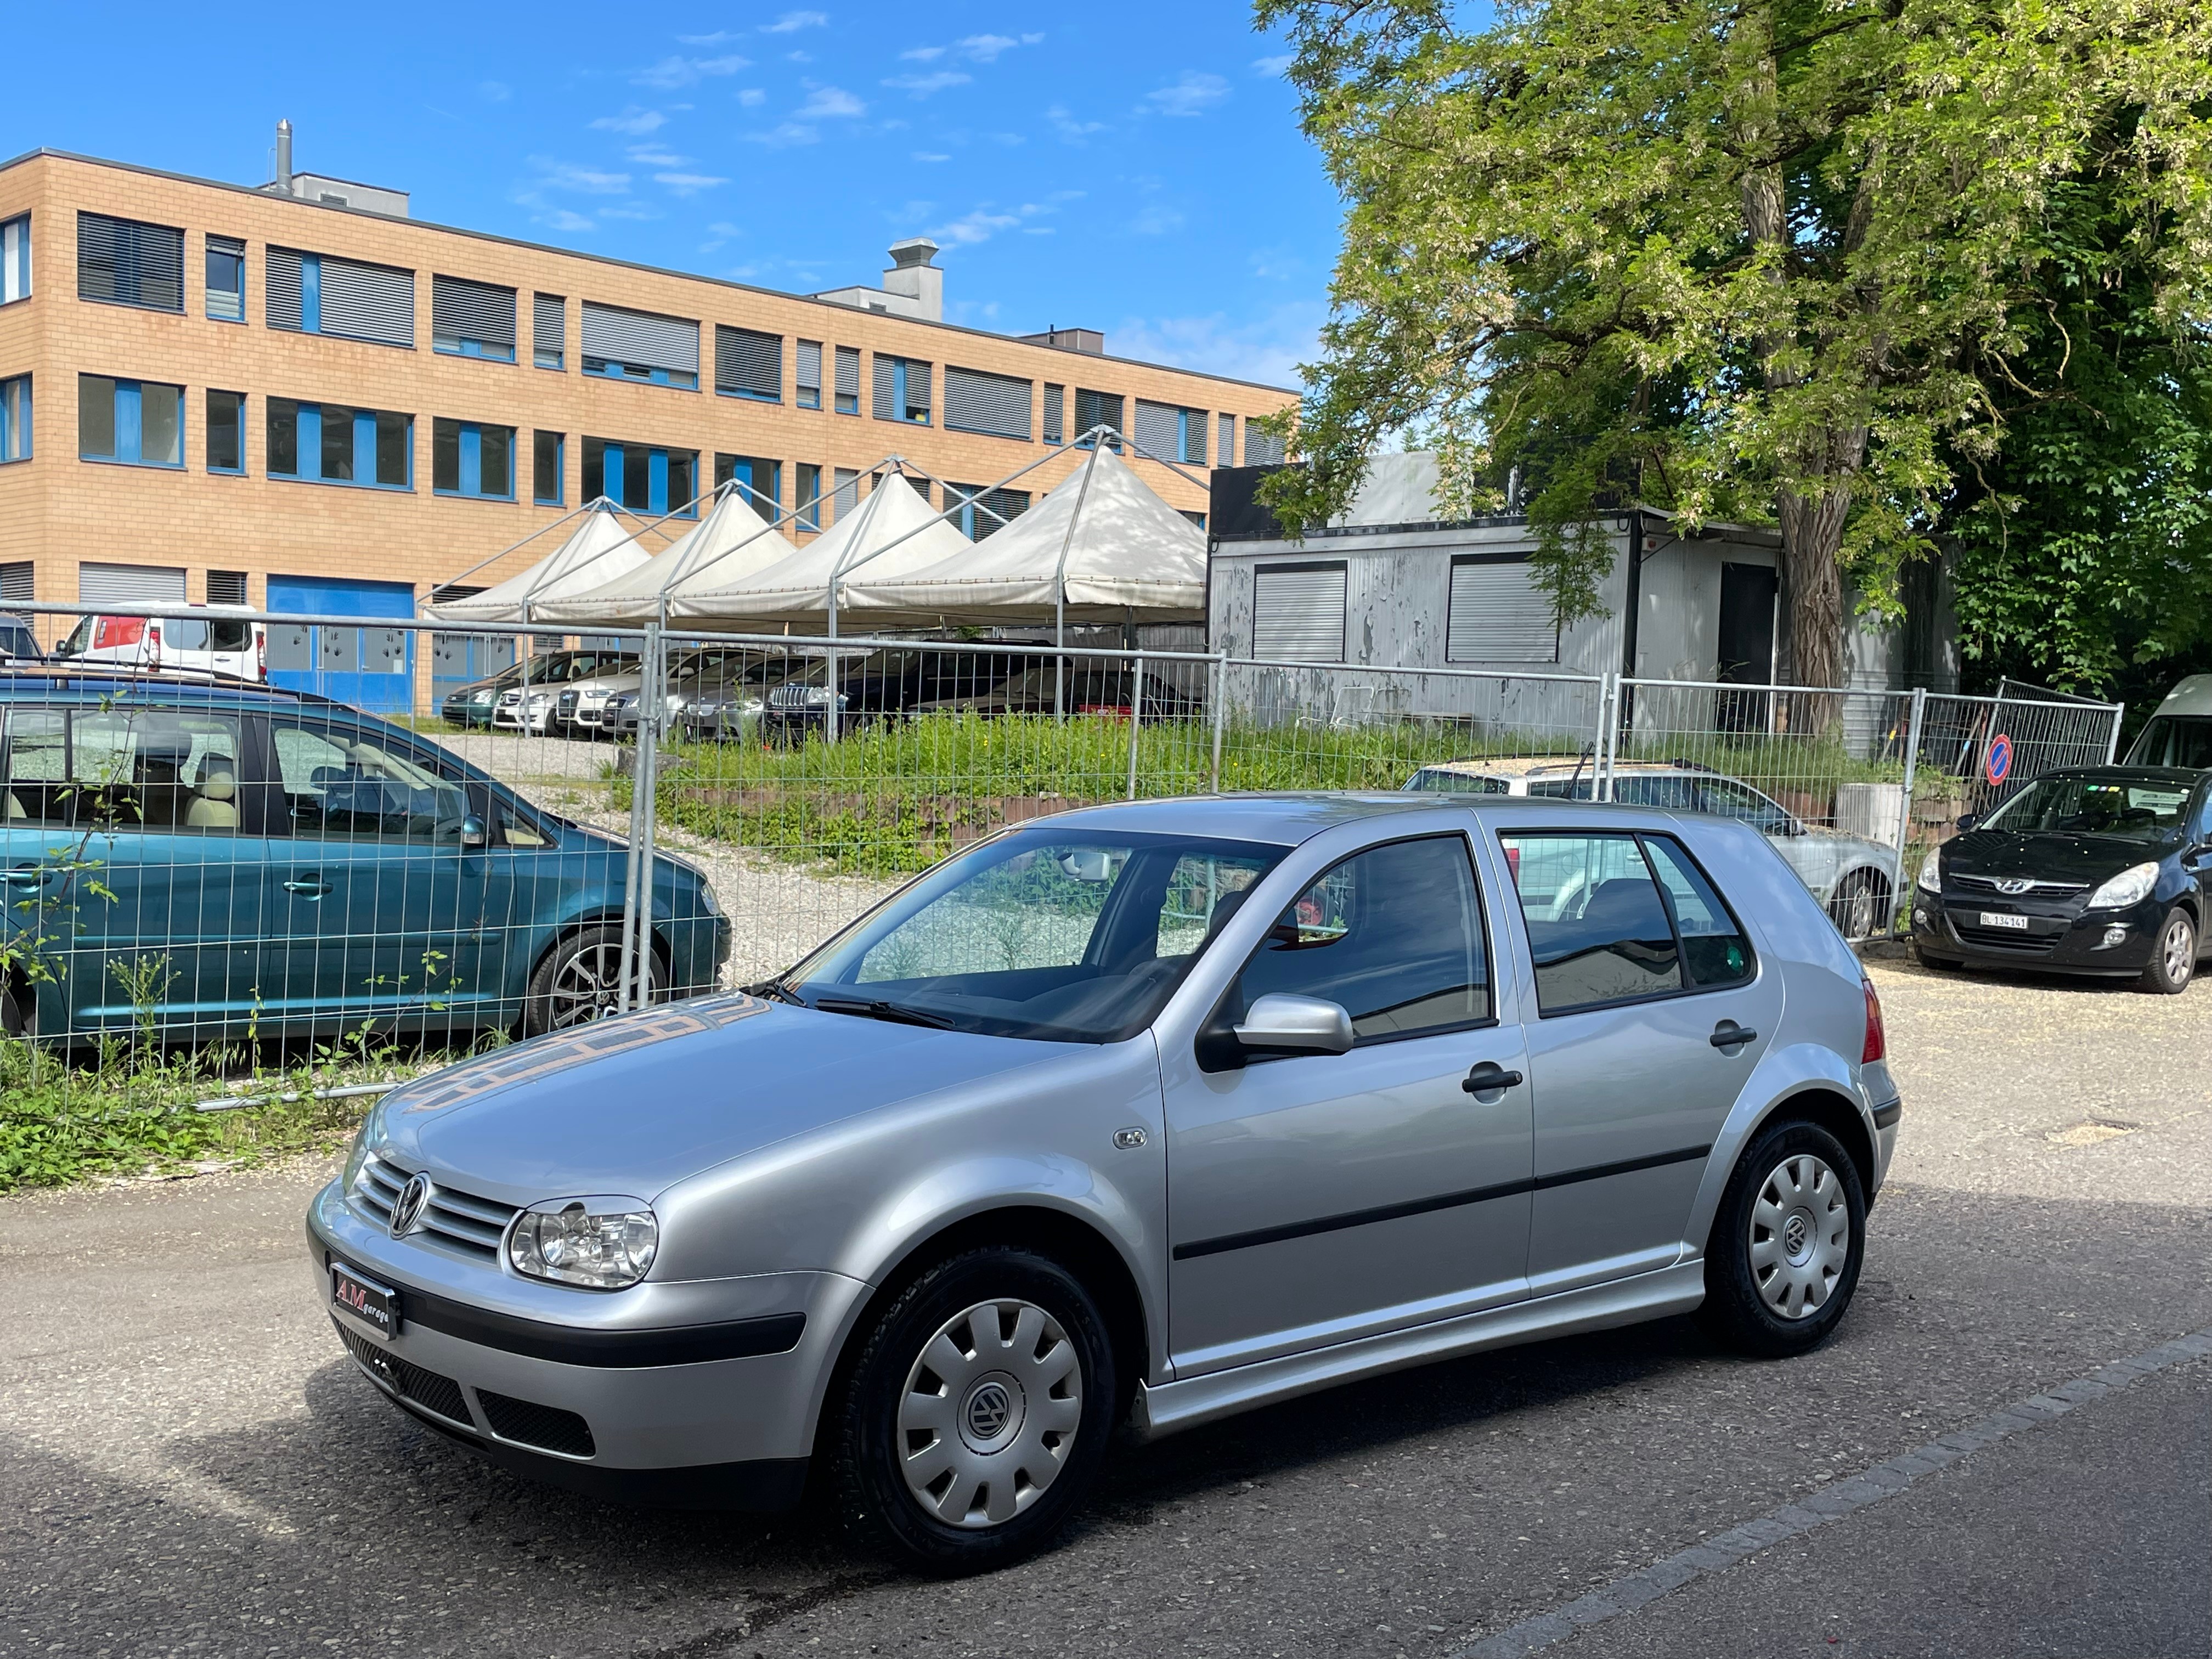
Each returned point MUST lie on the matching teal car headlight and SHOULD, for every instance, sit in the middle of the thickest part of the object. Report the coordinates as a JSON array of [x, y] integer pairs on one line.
[[598, 1244]]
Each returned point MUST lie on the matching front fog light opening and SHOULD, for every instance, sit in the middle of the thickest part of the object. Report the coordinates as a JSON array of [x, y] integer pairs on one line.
[[2114, 935], [598, 1244]]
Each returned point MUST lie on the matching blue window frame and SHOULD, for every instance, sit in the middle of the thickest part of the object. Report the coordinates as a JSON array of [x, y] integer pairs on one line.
[[15, 419], [759, 479], [327, 443], [610, 369], [642, 478], [130, 422], [470, 458], [902, 390], [549, 459], [226, 279], [226, 431], [15, 259]]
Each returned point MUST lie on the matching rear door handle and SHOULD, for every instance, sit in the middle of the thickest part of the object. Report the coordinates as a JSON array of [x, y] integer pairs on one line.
[[311, 886], [1729, 1034], [1489, 1079]]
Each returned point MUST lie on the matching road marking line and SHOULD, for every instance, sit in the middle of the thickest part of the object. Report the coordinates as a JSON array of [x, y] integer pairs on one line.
[[1832, 1503]]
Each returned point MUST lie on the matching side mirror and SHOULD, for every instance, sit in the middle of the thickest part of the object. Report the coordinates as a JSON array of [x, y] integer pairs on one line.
[[473, 832], [1305, 1026], [1967, 821]]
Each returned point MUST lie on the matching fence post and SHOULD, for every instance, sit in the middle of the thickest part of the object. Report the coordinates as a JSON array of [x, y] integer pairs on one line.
[[1220, 710], [1136, 715], [637, 888], [2113, 742], [1608, 698], [1905, 878]]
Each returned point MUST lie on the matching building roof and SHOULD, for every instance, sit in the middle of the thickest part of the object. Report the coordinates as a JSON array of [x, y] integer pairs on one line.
[[575, 253]]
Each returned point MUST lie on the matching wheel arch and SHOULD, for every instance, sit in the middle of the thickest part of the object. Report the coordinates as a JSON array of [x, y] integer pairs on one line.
[[1818, 1090]]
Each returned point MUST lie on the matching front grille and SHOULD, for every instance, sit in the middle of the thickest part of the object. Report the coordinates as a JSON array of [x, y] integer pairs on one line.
[[451, 1217], [432, 1392], [528, 1424], [2039, 889]]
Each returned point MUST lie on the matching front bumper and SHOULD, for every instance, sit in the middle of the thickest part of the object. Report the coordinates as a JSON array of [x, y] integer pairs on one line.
[[2056, 938], [702, 1393]]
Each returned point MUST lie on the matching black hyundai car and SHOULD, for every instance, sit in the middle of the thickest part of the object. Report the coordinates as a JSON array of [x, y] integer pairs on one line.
[[2098, 871]]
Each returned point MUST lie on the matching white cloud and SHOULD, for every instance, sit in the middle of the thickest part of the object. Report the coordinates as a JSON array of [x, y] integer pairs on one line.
[[922, 54], [985, 48], [824, 103], [792, 21], [688, 184], [1191, 92], [494, 92], [1267, 349], [922, 85], [656, 155], [566, 219], [718, 38], [1032, 40], [1272, 66], [629, 210], [1156, 219], [589, 181], [1277, 264], [752, 98], [970, 229], [930, 155], [784, 136], [634, 121], [1070, 130], [677, 71]]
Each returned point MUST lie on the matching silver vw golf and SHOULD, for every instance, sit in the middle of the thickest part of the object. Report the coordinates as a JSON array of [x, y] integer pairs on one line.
[[1144, 1115]]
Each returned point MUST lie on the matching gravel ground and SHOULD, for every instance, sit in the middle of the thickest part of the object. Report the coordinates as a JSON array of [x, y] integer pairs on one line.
[[188, 1464]]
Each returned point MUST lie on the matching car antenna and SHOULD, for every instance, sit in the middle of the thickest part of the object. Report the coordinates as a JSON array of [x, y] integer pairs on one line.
[[1576, 776]]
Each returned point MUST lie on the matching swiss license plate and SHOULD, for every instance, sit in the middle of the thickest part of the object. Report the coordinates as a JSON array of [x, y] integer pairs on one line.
[[374, 1305], [1998, 918]]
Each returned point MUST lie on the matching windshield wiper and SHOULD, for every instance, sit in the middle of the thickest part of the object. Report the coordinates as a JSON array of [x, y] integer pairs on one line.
[[884, 1010], [774, 990]]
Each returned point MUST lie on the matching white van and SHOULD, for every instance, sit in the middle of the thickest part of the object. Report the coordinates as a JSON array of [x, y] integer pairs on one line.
[[207, 640], [2180, 733]]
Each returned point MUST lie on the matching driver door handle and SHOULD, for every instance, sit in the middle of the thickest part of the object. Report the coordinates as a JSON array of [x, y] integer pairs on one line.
[[1489, 1078], [1729, 1034], [312, 886]]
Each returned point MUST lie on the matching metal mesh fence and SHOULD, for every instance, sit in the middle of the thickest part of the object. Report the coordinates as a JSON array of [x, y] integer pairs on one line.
[[389, 840]]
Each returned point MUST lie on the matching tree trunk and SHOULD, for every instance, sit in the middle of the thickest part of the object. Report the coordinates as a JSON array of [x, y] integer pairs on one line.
[[1812, 539]]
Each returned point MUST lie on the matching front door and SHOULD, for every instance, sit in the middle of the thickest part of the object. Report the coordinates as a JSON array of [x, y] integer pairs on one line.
[[1316, 1198], [1744, 644], [1639, 967]]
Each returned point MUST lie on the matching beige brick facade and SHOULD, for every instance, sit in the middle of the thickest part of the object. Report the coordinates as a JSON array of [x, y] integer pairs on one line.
[[57, 509]]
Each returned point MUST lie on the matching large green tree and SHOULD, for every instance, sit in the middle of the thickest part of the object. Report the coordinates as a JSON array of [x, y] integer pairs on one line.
[[1739, 259]]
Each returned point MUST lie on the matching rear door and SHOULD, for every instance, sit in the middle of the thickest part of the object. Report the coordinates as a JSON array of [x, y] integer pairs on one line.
[[1652, 1008]]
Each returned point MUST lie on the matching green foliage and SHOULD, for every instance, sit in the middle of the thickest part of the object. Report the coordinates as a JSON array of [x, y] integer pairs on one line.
[[1750, 261]]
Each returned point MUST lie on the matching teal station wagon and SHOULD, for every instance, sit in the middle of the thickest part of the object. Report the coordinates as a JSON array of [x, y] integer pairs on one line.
[[208, 861]]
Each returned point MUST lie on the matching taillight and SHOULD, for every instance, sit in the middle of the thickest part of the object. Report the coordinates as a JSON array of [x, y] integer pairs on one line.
[[153, 645], [1877, 1044], [260, 654]]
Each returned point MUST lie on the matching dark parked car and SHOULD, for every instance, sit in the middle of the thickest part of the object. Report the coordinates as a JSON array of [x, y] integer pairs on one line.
[[1086, 688], [282, 865], [2096, 871], [17, 643], [471, 706], [882, 684]]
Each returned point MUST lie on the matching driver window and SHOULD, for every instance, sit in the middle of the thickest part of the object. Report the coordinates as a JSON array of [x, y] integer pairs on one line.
[[1392, 934], [339, 785]]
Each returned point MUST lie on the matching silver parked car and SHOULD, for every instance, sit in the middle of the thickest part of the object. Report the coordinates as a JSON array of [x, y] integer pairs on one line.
[[1855, 879], [1145, 1114]]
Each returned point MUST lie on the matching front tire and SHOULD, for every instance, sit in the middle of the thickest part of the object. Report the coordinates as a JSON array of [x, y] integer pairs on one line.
[[1860, 905], [579, 981], [1940, 965], [2172, 955], [975, 1418], [1786, 1247]]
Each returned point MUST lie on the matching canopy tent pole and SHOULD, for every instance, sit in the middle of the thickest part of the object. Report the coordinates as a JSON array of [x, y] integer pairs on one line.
[[525, 541], [1059, 583]]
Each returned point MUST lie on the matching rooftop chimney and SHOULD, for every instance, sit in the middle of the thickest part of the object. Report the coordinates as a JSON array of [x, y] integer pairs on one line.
[[913, 276], [283, 158]]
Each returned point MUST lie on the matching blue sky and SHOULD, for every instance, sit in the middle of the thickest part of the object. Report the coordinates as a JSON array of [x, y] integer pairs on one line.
[[1134, 168]]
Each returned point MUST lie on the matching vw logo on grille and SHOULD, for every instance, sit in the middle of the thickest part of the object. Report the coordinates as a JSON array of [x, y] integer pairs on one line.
[[2014, 885], [989, 1408], [407, 1208]]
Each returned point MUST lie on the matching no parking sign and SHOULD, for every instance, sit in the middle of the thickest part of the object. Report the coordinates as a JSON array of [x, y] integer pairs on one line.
[[1997, 765]]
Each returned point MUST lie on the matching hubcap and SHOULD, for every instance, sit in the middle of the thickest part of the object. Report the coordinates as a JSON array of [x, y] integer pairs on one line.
[[2178, 949], [989, 1413], [589, 984], [1801, 1237]]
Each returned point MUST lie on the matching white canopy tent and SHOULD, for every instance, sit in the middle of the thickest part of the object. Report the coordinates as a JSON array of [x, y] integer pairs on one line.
[[604, 545], [732, 539], [1102, 547], [892, 531]]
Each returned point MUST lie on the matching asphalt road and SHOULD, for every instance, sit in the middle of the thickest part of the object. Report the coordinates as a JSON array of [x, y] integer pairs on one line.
[[189, 1465]]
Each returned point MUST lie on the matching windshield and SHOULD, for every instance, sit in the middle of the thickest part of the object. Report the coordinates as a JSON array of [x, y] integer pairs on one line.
[[2183, 740], [1043, 933], [2128, 809]]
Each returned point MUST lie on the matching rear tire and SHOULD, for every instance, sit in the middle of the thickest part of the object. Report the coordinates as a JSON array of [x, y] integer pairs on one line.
[[1941, 964], [1783, 1258], [578, 981], [973, 1422], [2172, 955], [1860, 905]]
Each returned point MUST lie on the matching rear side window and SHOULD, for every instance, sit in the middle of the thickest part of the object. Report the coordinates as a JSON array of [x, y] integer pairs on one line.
[[1394, 934], [1616, 918], [113, 770]]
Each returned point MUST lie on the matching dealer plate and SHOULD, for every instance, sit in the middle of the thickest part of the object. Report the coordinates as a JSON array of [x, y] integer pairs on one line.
[[372, 1305], [1998, 918]]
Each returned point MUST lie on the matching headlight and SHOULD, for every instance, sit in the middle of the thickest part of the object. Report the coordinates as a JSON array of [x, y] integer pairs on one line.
[[2128, 887], [601, 1243], [707, 902], [1931, 878], [359, 1154]]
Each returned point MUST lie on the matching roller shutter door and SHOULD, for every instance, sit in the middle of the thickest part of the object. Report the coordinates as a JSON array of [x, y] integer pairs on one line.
[[643, 337], [997, 404], [132, 585], [1498, 614], [16, 585], [1297, 612]]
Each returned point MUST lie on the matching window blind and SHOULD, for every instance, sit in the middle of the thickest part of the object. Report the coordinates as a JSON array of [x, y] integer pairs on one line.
[[810, 373], [16, 586], [1498, 614], [848, 379], [1097, 409], [1055, 414], [643, 337], [748, 363], [548, 330], [1159, 430], [376, 303], [997, 404], [986, 510], [128, 263], [846, 496], [886, 375], [1226, 449], [226, 586], [1297, 612], [462, 312], [1262, 448], [280, 302]]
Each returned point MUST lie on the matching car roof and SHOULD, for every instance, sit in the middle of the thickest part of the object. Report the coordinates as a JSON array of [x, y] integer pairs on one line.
[[1537, 766], [52, 681], [2183, 777], [1288, 817]]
